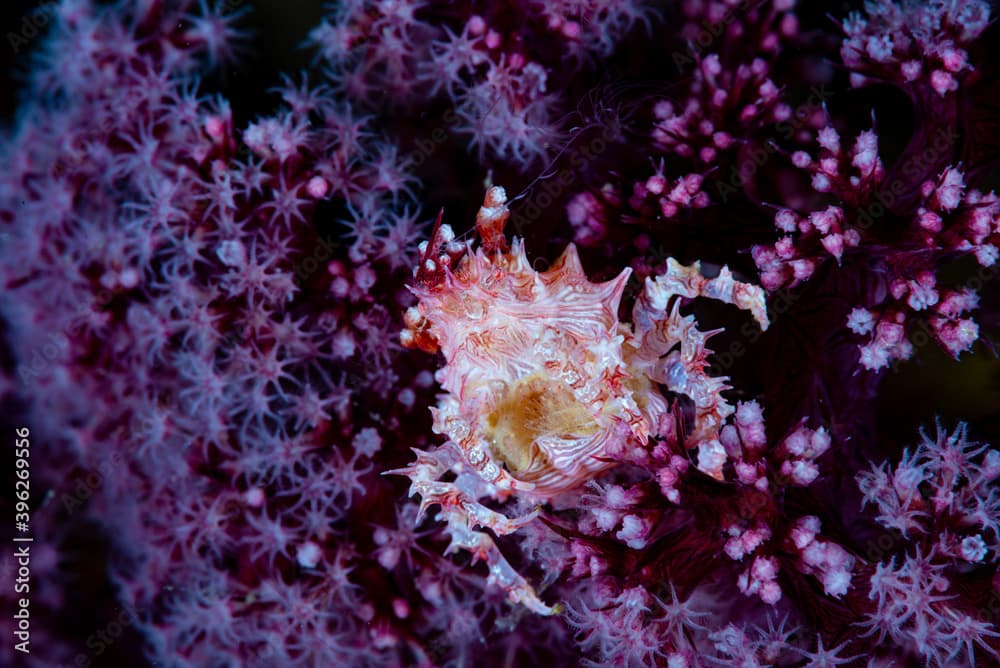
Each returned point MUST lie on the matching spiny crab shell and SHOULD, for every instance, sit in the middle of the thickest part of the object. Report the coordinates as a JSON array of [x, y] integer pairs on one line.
[[541, 381], [536, 381]]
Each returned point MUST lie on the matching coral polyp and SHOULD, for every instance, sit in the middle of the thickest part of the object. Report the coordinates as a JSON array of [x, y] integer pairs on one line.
[[651, 404]]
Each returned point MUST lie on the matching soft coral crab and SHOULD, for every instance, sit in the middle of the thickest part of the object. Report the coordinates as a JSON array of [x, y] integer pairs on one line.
[[542, 382]]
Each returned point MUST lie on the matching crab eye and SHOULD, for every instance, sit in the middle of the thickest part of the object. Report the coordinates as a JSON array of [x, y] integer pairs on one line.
[[536, 409]]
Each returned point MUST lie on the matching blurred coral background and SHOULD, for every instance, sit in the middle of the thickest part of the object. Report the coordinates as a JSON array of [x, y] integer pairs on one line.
[[209, 216]]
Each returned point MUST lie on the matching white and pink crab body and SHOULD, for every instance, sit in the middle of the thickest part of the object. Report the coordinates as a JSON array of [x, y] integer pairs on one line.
[[542, 381]]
